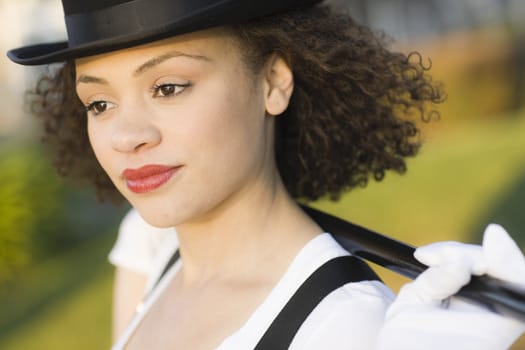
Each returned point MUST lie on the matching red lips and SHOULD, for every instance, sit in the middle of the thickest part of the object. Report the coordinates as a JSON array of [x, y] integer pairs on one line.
[[148, 178]]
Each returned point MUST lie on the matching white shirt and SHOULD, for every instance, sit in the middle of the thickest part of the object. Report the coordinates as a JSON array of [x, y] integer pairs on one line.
[[349, 317]]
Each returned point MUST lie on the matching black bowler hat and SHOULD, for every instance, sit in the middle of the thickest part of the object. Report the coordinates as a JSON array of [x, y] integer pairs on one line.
[[98, 26]]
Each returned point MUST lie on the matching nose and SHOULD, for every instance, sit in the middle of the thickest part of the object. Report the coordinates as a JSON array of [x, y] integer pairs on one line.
[[134, 132]]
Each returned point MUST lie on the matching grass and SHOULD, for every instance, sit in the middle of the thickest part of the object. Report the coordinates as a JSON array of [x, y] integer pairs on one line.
[[79, 320], [465, 177], [63, 303]]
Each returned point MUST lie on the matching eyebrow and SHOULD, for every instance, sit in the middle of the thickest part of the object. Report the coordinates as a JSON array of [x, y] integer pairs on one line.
[[87, 79], [149, 64], [164, 57]]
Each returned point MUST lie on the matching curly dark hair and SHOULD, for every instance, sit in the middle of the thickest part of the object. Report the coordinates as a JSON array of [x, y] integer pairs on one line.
[[353, 115]]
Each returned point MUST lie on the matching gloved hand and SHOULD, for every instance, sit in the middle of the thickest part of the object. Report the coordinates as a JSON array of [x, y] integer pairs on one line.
[[423, 316]]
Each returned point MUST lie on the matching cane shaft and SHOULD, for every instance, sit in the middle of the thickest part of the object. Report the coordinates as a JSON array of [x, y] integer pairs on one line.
[[499, 296]]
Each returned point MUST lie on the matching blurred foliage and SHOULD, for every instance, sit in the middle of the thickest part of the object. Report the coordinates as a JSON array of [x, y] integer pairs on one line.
[[30, 207], [40, 215]]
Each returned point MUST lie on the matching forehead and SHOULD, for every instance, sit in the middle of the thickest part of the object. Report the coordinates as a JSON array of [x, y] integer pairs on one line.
[[211, 45]]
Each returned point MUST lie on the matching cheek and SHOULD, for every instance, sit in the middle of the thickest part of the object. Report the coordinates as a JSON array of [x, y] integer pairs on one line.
[[228, 126], [99, 145], [222, 140]]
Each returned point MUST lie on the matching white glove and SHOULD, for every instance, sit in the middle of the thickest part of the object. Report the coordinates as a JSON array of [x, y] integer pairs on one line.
[[422, 317]]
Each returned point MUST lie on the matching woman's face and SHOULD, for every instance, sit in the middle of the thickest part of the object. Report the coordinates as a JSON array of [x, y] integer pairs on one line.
[[180, 126]]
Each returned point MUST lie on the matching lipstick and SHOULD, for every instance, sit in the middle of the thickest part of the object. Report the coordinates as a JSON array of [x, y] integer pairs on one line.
[[148, 178]]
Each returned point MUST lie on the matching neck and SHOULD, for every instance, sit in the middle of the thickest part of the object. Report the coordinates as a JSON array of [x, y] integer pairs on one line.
[[260, 228]]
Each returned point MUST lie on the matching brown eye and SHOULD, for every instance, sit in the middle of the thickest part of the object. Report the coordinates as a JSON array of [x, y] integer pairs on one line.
[[97, 107], [100, 107], [169, 90]]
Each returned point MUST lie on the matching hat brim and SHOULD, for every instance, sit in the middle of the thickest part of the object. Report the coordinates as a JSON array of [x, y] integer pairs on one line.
[[229, 12]]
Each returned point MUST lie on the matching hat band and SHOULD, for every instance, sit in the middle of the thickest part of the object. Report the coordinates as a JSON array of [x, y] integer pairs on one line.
[[131, 17]]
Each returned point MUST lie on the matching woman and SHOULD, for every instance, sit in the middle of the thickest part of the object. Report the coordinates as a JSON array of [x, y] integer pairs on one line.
[[213, 117]]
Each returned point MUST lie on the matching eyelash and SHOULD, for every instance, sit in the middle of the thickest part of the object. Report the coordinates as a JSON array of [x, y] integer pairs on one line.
[[157, 88], [90, 107]]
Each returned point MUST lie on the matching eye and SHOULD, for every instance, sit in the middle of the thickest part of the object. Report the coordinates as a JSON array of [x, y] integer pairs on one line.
[[169, 90], [98, 107]]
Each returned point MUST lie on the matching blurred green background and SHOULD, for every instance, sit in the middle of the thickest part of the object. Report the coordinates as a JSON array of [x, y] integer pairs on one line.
[[55, 282]]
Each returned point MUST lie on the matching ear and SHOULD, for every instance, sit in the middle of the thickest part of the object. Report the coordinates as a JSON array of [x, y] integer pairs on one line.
[[278, 85]]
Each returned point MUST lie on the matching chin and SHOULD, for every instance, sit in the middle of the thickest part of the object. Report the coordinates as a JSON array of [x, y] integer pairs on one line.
[[158, 219], [161, 216], [170, 208]]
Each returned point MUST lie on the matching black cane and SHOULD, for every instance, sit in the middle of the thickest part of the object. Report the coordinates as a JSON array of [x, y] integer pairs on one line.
[[502, 297]]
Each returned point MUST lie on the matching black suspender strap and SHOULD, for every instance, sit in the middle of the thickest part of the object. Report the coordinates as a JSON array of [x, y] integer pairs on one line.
[[173, 259], [331, 275], [327, 278]]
